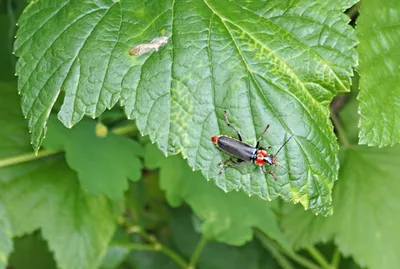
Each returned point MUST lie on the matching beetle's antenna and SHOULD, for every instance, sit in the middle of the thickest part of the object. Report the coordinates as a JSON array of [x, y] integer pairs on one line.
[[282, 146], [287, 170]]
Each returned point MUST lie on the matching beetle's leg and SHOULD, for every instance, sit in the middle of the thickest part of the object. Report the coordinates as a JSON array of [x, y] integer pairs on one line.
[[273, 174], [261, 136], [225, 164], [222, 163], [269, 172], [230, 125]]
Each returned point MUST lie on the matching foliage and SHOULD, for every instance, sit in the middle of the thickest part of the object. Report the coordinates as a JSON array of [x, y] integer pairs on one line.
[[368, 188], [379, 38], [260, 54], [99, 194]]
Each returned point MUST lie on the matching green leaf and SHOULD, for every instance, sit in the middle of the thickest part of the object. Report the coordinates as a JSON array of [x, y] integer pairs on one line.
[[14, 136], [227, 217], [6, 244], [46, 195], [115, 256], [367, 210], [378, 31], [31, 251], [107, 161], [276, 62], [344, 4], [215, 255]]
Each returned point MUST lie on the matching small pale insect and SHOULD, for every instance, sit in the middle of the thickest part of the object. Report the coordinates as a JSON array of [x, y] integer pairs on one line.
[[154, 44]]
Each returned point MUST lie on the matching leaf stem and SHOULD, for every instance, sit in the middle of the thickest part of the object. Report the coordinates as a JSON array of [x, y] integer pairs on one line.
[[336, 259], [313, 251], [173, 255], [276, 250], [157, 246], [197, 252], [122, 130], [302, 261], [276, 253], [340, 130], [148, 247], [27, 157]]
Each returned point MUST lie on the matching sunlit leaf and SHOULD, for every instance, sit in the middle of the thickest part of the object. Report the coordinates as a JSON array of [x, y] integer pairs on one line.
[[276, 62]]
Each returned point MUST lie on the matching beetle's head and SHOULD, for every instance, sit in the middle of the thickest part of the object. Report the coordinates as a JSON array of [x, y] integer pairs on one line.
[[263, 158], [271, 160]]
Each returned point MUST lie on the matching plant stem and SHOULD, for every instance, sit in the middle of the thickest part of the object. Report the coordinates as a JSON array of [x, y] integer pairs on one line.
[[336, 259], [276, 249], [122, 130], [302, 261], [196, 254], [148, 247], [157, 246], [318, 257], [340, 130], [27, 157], [173, 255], [149, 238], [276, 253]]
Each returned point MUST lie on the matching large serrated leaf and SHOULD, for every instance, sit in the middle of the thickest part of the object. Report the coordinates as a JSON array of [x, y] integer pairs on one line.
[[276, 62], [378, 30]]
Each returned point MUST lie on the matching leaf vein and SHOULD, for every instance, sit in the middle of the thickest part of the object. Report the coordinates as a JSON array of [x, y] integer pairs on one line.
[[44, 22], [46, 50], [108, 65], [295, 38]]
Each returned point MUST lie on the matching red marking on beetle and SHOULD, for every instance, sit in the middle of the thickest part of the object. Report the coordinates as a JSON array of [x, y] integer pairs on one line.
[[246, 153], [215, 139], [260, 157]]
